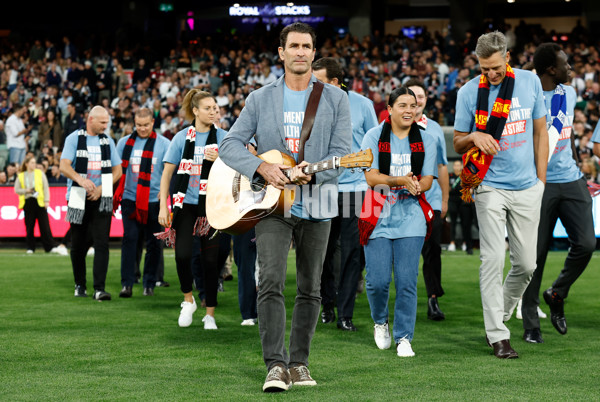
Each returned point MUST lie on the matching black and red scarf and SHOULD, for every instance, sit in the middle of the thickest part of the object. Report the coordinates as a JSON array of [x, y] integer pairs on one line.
[[374, 200], [142, 196], [184, 173], [475, 162]]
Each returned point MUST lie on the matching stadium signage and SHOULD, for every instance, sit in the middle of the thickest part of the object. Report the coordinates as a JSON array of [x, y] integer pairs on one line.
[[268, 10]]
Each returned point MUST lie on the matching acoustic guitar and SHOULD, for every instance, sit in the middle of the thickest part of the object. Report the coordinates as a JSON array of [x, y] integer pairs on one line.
[[235, 203]]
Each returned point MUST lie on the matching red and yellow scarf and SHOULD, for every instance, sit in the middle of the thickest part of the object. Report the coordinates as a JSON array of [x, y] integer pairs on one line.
[[475, 162]]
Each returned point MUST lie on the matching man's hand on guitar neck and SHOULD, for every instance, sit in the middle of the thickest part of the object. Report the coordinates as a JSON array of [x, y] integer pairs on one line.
[[297, 176], [273, 174]]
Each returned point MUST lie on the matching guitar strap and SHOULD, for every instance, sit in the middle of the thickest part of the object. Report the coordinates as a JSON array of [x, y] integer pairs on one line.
[[309, 117]]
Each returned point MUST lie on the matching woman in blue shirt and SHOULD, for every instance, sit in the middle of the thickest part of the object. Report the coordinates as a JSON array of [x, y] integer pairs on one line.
[[190, 155], [403, 167]]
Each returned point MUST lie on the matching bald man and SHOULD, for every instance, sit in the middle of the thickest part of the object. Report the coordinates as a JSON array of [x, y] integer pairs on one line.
[[92, 166]]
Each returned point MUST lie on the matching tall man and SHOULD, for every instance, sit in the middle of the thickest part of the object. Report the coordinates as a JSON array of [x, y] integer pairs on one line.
[[501, 126], [344, 227], [275, 113], [92, 166], [437, 196], [142, 154], [566, 197]]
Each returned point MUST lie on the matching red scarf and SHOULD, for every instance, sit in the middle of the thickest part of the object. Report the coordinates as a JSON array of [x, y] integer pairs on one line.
[[374, 201], [475, 162], [143, 185]]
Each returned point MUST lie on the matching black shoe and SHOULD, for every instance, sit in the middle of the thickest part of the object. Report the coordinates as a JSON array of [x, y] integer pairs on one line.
[[533, 336], [80, 291], [137, 281], [126, 292], [346, 324], [503, 350], [470, 251], [227, 277], [327, 315], [101, 295], [162, 284], [433, 310], [557, 310], [148, 292]]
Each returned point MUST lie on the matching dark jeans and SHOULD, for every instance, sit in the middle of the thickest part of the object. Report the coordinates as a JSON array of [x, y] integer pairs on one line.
[[273, 239], [244, 255], [572, 203], [209, 253], [132, 231], [98, 225], [342, 290], [33, 213], [432, 258]]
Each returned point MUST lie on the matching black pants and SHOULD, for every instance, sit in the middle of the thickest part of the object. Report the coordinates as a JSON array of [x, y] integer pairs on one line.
[[432, 258], [572, 203], [209, 254], [466, 211], [98, 225], [342, 290], [33, 213]]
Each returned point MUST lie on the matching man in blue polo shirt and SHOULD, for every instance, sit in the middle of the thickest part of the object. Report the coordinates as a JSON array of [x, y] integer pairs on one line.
[[142, 153], [566, 197], [515, 153], [352, 186]]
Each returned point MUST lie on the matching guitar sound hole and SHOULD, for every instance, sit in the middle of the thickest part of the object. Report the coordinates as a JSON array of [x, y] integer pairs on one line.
[[258, 183]]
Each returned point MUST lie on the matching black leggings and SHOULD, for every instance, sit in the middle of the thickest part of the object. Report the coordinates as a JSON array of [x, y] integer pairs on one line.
[[209, 254]]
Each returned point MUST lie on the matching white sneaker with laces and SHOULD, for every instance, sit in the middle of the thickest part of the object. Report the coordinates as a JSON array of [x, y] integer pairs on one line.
[[382, 337], [249, 322], [209, 322], [541, 314], [451, 247], [404, 349], [60, 250], [187, 311], [519, 314]]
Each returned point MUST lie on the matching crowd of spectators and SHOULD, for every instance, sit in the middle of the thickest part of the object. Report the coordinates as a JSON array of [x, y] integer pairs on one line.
[[58, 81]]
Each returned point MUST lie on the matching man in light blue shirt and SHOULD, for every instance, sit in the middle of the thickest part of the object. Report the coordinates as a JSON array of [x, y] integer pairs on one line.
[[510, 194], [341, 290]]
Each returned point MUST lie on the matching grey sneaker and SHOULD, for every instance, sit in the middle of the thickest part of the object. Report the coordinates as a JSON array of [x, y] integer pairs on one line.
[[277, 380], [80, 291], [301, 376]]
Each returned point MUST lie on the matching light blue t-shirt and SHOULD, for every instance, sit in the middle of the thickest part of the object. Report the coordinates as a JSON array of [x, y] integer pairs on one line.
[[175, 151], [434, 194], [402, 215], [133, 170], [513, 167], [596, 135], [363, 118], [94, 170], [562, 168]]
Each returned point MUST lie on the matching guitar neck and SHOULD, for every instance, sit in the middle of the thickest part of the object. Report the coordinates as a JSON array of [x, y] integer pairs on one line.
[[317, 167]]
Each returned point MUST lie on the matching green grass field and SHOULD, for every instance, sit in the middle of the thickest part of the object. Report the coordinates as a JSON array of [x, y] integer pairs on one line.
[[57, 347]]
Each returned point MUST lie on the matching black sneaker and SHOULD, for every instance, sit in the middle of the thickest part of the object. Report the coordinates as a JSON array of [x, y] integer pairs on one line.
[[162, 284], [148, 292], [80, 291], [126, 292], [101, 295]]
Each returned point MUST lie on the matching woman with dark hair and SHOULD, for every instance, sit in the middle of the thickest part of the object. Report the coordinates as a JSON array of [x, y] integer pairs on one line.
[[34, 197], [395, 215], [190, 155]]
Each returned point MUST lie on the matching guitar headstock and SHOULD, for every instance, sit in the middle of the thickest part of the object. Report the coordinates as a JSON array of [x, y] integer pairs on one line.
[[361, 159]]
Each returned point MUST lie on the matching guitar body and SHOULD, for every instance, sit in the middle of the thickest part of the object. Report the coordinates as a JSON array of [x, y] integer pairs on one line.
[[234, 204]]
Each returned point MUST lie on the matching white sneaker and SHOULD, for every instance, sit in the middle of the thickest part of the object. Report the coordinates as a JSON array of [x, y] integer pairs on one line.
[[60, 250], [464, 247], [29, 251], [187, 311], [519, 314], [91, 251], [209, 322], [382, 336], [541, 314], [451, 247], [249, 322], [404, 349]]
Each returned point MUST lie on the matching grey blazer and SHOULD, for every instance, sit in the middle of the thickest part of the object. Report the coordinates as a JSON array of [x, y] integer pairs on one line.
[[262, 117]]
